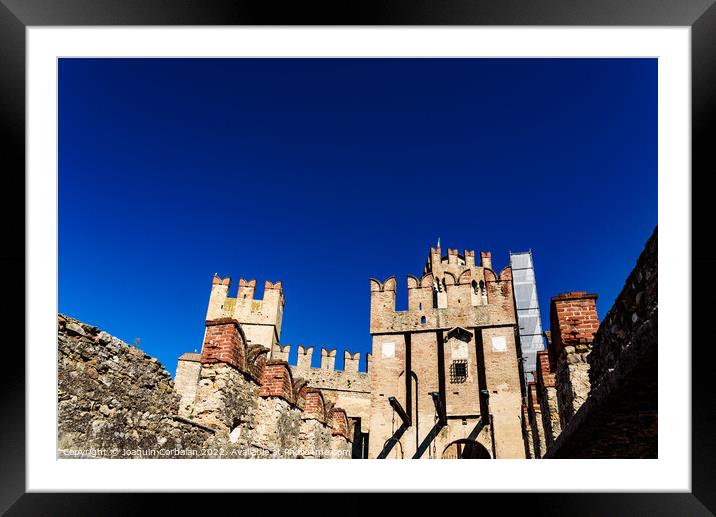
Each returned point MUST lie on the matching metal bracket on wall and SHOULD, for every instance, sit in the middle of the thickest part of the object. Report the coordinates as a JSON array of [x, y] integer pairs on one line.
[[439, 409], [393, 440], [399, 409], [485, 395]]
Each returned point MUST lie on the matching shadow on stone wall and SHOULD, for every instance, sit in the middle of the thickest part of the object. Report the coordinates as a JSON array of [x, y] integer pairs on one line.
[[619, 417], [115, 401]]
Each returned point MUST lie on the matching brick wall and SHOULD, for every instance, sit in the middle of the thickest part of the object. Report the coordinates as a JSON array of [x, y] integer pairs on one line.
[[340, 424], [314, 406], [499, 293], [573, 319], [276, 381], [224, 343]]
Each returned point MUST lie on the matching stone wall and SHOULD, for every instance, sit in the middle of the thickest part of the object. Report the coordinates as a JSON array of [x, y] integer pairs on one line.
[[279, 424], [225, 399], [257, 406], [550, 415], [528, 437], [115, 401], [574, 322], [251, 322], [631, 324], [539, 440], [572, 375], [186, 380], [315, 438], [349, 388], [546, 382], [618, 419], [596, 385]]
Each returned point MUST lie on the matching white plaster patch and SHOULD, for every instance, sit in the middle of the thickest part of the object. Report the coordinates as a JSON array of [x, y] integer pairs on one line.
[[459, 350], [499, 344], [389, 349]]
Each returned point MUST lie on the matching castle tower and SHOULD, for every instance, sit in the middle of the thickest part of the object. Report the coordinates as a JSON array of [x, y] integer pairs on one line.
[[444, 376], [236, 329], [260, 320]]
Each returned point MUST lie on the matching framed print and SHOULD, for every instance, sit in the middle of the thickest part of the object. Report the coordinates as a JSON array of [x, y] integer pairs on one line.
[[399, 233]]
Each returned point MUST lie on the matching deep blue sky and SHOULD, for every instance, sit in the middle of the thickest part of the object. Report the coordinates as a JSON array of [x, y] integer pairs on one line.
[[325, 172]]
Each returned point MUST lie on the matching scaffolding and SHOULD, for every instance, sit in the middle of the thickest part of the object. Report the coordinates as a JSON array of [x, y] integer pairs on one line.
[[528, 315]]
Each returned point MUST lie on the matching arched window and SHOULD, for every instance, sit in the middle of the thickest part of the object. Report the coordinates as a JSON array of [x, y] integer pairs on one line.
[[439, 294], [423, 320]]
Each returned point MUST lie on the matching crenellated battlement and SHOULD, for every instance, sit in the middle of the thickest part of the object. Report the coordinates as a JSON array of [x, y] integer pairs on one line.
[[304, 361], [454, 260], [453, 291], [349, 388], [351, 361], [260, 319], [305, 356], [221, 305], [280, 353], [328, 359], [326, 376]]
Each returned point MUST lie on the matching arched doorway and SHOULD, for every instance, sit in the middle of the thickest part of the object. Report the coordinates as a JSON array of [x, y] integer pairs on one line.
[[465, 450]]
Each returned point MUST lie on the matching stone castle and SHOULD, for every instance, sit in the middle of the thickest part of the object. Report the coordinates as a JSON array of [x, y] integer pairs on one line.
[[443, 376], [444, 379]]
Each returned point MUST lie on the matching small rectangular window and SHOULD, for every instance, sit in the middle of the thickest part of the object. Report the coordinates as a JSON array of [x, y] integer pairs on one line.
[[458, 372]]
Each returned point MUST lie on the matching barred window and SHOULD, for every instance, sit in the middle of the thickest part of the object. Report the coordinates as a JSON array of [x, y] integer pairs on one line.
[[458, 372]]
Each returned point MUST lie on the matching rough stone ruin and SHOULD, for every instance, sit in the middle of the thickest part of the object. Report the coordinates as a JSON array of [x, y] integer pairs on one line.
[[118, 402]]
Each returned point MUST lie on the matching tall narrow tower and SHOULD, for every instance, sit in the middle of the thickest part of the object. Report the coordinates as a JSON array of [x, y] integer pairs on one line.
[[259, 319], [445, 377]]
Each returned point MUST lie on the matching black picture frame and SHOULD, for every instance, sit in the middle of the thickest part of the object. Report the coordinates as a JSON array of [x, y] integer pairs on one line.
[[700, 15]]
